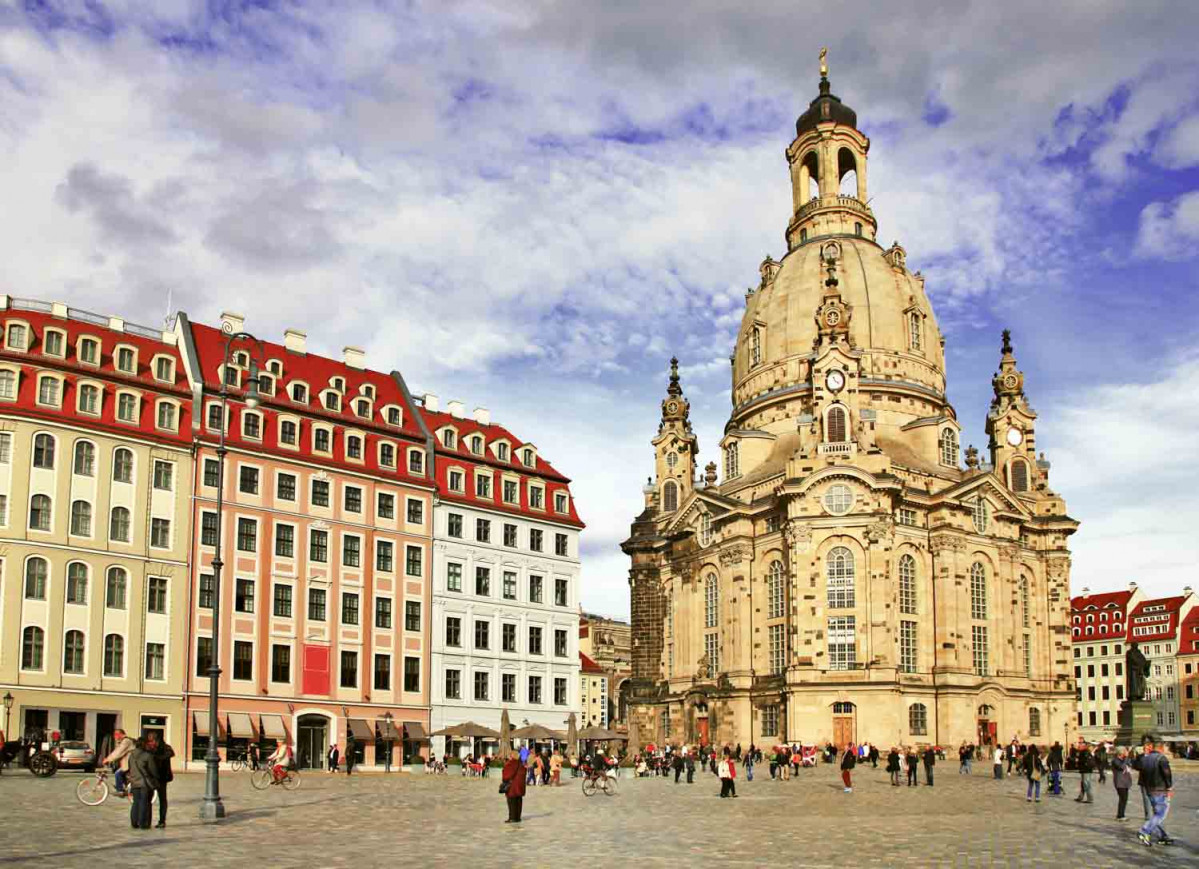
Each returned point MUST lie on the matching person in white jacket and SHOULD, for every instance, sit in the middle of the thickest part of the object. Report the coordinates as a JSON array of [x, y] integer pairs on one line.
[[120, 754], [998, 760]]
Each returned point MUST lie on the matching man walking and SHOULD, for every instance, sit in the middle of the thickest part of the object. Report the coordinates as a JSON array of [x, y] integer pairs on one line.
[[930, 760], [1122, 779], [1158, 784], [912, 761], [691, 767], [1086, 768], [848, 761], [1055, 769]]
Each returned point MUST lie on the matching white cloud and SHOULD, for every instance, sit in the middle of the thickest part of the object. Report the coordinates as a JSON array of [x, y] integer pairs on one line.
[[1170, 230], [1179, 148]]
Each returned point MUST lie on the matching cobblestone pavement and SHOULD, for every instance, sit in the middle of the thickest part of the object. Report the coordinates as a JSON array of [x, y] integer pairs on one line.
[[417, 820]]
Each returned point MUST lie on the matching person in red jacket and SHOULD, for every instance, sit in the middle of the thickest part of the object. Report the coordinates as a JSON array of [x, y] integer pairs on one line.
[[513, 776]]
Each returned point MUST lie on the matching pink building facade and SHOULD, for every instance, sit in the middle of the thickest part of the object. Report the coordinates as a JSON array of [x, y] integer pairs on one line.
[[326, 538]]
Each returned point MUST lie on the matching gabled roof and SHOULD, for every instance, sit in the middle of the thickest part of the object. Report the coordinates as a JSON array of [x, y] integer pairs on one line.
[[1102, 616], [589, 666], [1102, 600], [1160, 614], [994, 487], [1188, 636]]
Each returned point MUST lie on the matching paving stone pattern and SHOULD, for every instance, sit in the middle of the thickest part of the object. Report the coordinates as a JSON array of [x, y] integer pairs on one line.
[[418, 820]]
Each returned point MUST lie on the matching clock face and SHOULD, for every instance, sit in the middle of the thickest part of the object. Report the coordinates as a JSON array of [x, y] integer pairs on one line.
[[833, 317], [1010, 381], [835, 380], [672, 407], [1014, 436]]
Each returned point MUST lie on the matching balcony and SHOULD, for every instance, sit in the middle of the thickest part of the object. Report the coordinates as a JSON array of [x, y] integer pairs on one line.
[[851, 203], [844, 449]]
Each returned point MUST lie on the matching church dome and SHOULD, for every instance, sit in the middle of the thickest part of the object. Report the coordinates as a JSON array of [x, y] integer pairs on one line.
[[891, 321], [825, 108]]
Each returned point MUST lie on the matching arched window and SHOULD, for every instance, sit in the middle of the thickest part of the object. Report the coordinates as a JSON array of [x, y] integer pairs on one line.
[[85, 459], [33, 642], [732, 461], [949, 448], [835, 426], [776, 590], [118, 525], [756, 347], [114, 589], [907, 585], [670, 496], [72, 652], [918, 719], [915, 331], [1024, 602], [981, 514], [43, 451], [39, 513], [122, 466], [839, 570], [705, 529], [36, 575], [711, 601], [842, 708], [81, 519], [114, 655], [978, 591], [1034, 721], [77, 583], [1019, 475]]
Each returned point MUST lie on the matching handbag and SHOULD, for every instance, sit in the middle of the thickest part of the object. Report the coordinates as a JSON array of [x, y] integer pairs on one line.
[[504, 785]]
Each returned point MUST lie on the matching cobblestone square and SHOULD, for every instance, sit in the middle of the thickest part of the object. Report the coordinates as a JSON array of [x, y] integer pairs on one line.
[[418, 820]]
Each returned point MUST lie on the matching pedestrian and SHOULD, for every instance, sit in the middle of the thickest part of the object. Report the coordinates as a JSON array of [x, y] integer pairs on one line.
[[555, 769], [1158, 784], [1101, 762], [749, 767], [143, 781], [334, 755], [930, 760], [963, 760], [1033, 770], [893, 766], [119, 757], [1011, 756], [848, 761], [1122, 781], [162, 767], [727, 771], [351, 749], [873, 754], [255, 756], [1055, 769], [1086, 768], [997, 766], [691, 768], [512, 785]]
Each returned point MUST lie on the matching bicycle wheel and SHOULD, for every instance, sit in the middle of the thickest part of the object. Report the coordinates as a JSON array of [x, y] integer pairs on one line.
[[589, 786], [236, 764], [92, 791], [609, 785], [291, 781], [261, 780]]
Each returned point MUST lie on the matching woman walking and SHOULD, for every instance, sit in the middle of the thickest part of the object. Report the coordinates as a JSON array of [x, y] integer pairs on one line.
[[1034, 769], [848, 761], [162, 766], [1122, 780], [512, 786], [893, 766]]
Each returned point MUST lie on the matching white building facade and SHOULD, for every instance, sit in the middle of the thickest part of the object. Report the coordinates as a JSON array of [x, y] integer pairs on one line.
[[505, 591]]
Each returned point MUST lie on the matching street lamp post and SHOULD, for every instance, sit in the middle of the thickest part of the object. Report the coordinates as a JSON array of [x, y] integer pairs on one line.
[[387, 742], [8, 701], [211, 807]]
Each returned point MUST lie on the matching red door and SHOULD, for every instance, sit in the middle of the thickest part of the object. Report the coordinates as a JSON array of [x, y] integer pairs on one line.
[[701, 726]]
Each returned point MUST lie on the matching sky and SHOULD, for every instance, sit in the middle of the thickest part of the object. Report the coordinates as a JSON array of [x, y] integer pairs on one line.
[[530, 205]]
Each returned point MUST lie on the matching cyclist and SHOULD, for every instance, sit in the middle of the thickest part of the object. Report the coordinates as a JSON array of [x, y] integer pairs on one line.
[[120, 755], [280, 760]]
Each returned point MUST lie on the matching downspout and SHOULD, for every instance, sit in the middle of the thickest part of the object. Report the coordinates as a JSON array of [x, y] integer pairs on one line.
[[191, 366]]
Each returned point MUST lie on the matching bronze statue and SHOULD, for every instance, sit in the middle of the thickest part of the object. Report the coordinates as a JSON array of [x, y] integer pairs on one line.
[[1138, 671], [823, 64]]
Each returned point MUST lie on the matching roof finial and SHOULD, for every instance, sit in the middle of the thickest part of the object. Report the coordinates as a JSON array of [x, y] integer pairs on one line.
[[1007, 341], [674, 388], [824, 62]]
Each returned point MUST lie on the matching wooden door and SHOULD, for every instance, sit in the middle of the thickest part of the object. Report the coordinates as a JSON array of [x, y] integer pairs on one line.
[[842, 731]]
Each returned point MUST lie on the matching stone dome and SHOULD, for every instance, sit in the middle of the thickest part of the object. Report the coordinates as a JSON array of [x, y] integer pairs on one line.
[[825, 108], [882, 296]]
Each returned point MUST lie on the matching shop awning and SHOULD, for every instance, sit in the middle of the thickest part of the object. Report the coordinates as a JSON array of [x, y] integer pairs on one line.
[[387, 729], [200, 720], [361, 731], [416, 731], [240, 726], [272, 727]]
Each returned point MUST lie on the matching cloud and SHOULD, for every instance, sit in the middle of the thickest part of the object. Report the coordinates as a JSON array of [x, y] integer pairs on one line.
[[1170, 230], [1179, 148]]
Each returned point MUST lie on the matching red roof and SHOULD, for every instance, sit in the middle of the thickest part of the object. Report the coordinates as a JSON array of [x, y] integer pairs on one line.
[[74, 371], [462, 457], [1188, 638], [1155, 619], [1101, 616], [588, 665], [316, 373]]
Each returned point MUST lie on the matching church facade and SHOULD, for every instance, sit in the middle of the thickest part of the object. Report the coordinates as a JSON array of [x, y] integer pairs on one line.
[[846, 578]]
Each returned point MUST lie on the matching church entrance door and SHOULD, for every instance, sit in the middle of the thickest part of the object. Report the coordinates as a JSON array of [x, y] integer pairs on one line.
[[843, 724], [701, 730]]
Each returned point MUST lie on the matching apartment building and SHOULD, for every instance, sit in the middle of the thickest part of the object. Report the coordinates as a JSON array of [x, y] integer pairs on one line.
[[1154, 627]]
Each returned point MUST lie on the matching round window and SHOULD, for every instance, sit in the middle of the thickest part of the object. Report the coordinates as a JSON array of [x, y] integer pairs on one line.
[[838, 499]]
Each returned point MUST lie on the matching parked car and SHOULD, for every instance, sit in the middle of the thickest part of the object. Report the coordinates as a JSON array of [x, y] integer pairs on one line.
[[75, 755]]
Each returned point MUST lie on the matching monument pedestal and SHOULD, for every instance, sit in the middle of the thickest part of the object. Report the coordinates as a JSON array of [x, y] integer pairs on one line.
[[1136, 719]]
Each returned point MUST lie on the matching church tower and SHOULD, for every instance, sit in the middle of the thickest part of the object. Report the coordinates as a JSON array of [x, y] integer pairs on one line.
[[1011, 425], [675, 448]]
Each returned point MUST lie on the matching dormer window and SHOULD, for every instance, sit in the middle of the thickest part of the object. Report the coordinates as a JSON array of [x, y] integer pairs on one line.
[[449, 439], [353, 447], [949, 448], [332, 401], [127, 407], [363, 408], [49, 391], [53, 343], [536, 497], [501, 452], [339, 384], [275, 367], [321, 440], [393, 416], [89, 351], [560, 503], [166, 415], [527, 458], [231, 376], [915, 331], [476, 445], [164, 369], [416, 462], [18, 337], [266, 384], [299, 393], [457, 481], [387, 455], [369, 391], [242, 358], [251, 426]]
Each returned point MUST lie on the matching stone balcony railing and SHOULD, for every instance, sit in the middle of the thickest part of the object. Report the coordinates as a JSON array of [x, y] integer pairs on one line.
[[845, 448], [852, 203]]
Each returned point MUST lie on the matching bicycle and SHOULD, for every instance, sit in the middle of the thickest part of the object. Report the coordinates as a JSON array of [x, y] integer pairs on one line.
[[598, 779], [264, 778], [94, 790], [239, 763]]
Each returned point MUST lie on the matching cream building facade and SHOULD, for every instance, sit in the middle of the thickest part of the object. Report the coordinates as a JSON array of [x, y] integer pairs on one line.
[[848, 579], [95, 480]]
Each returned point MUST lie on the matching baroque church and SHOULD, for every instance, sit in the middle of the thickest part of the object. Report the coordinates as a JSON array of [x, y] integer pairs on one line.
[[847, 579]]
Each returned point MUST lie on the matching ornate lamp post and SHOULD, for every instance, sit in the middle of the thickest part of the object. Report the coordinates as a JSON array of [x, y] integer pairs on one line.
[[387, 734], [211, 808], [8, 701]]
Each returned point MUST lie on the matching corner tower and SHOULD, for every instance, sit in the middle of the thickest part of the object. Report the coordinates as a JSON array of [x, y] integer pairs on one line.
[[828, 149], [675, 448]]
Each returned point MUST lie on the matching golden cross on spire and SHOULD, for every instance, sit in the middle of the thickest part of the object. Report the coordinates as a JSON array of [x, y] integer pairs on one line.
[[823, 63]]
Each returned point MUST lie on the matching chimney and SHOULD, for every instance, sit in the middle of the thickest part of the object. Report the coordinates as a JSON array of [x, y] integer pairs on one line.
[[295, 340], [353, 357], [1186, 590], [1132, 586], [432, 402], [456, 408], [1085, 592], [482, 416], [235, 322]]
